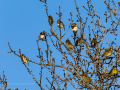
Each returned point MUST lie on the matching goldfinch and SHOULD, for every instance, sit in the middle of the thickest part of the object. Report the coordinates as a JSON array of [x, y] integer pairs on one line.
[[94, 42], [113, 71], [69, 44], [78, 42], [24, 58], [50, 20], [119, 3], [86, 79], [60, 24], [74, 28], [41, 36], [107, 52]]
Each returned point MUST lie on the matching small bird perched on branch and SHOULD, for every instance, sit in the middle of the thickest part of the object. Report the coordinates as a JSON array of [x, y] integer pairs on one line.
[[24, 58], [107, 52], [114, 71], [94, 42], [60, 24], [41, 36], [69, 44], [78, 42], [119, 3], [74, 28], [50, 20], [86, 79]]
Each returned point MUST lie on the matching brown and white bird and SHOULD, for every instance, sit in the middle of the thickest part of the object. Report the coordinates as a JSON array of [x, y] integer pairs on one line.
[[74, 28], [69, 44], [50, 20], [107, 52], [60, 24], [94, 42], [41, 36]]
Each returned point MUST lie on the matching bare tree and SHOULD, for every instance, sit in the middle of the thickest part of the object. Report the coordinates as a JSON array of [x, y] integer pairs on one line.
[[90, 70], [3, 82]]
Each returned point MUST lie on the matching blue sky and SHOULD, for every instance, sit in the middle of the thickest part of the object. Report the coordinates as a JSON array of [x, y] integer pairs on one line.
[[21, 21]]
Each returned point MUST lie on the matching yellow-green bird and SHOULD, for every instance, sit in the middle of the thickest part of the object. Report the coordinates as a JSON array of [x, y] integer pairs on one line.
[[114, 71], [74, 28], [60, 24], [78, 42], [86, 79], [41, 36], [107, 52], [24, 58], [94, 42], [50, 20], [69, 44]]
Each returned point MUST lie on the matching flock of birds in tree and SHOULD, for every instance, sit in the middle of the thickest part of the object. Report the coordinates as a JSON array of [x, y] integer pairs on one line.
[[85, 77]]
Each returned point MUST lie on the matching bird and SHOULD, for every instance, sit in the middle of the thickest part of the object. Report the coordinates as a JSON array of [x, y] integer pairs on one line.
[[24, 58], [113, 71], [60, 24], [41, 36], [119, 3], [50, 20], [78, 42], [74, 28], [94, 42], [86, 79], [107, 52], [69, 44]]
